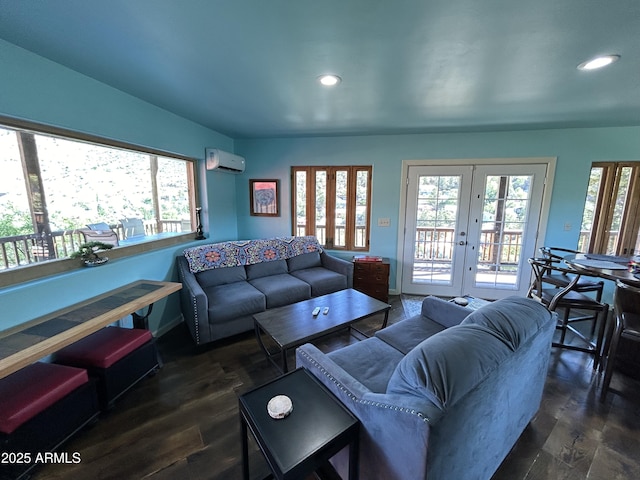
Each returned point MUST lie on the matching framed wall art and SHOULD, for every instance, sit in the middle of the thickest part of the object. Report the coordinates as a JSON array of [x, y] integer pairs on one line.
[[264, 198]]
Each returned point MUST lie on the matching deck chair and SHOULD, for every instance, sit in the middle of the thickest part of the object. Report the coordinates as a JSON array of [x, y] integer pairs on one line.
[[100, 232], [132, 227]]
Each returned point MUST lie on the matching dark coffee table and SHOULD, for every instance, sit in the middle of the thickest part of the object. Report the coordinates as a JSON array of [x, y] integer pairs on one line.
[[293, 325], [318, 427]]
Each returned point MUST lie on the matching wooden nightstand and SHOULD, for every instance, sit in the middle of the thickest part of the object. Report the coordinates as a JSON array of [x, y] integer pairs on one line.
[[372, 278]]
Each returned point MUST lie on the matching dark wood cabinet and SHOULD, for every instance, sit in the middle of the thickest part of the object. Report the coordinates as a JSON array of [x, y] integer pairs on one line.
[[372, 278]]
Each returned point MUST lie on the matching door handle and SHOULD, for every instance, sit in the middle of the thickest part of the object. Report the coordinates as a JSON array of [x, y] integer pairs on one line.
[[462, 242]]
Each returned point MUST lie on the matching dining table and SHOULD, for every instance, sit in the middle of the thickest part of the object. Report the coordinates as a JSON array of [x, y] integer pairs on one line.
[[615, 268], [610, 267]]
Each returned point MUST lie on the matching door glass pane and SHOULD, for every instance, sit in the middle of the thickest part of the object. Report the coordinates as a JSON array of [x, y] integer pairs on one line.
[[321, 207], [301, 203], [436, 215], [361, 234], [339, 239], [504, 218]]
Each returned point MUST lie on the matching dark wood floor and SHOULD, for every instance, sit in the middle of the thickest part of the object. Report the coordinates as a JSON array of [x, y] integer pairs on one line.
[[183, 422]]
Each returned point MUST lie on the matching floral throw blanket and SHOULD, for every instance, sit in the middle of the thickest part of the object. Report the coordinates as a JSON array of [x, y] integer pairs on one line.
[[248, 252]]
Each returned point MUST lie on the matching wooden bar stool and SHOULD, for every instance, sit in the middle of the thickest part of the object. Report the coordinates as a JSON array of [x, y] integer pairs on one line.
[[562, 279], [568, 298], [42, 406], [626, 324], [118, 357]]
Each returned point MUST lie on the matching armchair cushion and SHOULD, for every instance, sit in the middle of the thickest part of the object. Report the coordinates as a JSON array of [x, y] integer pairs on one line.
[[359, 360], [407, 334]]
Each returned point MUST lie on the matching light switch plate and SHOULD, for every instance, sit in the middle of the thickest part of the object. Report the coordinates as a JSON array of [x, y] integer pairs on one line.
[[384, 222]]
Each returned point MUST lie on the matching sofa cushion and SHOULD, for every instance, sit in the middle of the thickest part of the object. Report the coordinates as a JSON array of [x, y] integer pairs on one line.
[[282, 289], [361, 361], [306, 260], [220, 276], [405, 335], [445, 367], [266, 269], [515, 318], [322, 280], [232, 300]]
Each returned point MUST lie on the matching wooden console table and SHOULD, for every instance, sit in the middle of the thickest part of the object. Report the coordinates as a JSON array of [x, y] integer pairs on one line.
[[27, 343]]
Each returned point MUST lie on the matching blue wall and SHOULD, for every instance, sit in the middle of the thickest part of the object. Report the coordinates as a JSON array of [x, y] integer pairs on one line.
[[575, 149], [38, 90]]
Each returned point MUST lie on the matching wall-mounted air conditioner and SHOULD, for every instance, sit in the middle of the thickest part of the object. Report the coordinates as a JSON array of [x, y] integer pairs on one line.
[[223, 161]]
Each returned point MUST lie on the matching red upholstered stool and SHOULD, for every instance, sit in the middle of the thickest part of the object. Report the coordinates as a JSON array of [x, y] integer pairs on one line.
[[41, 406], [118, 357]]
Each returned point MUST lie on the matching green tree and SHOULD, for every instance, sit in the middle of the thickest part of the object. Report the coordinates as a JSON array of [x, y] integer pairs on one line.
[[14, 221]]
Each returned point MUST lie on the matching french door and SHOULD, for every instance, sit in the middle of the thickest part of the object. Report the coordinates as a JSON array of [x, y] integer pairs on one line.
[[469, 229]]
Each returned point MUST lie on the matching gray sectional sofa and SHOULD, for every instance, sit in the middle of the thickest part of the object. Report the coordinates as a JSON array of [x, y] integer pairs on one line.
[[442, 395], [225, 284]]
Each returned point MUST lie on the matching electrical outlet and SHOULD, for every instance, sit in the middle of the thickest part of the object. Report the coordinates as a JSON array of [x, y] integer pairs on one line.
[[567, 227], [384, 222]]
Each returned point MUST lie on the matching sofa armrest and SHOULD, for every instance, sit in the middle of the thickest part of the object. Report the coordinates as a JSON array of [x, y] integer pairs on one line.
[[338, 265], [386, 427], [194, 303], [444, 312]]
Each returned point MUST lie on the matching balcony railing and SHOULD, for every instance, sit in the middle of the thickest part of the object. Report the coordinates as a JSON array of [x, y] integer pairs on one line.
[[437, 244], [339, 238], [21, 250], [495, 248], [431, 244]]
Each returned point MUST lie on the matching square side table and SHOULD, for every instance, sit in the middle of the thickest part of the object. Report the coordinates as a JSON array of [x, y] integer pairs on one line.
[[318, 427]]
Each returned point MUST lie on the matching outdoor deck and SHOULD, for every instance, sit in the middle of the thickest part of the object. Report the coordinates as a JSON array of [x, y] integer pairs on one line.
[[21, 250]]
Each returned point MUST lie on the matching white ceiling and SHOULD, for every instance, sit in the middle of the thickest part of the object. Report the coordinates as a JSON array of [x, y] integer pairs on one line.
[[249, 68]]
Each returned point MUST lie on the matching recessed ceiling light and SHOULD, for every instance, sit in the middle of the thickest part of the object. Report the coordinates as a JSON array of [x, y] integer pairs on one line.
[[598, 62], [329, 80]]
